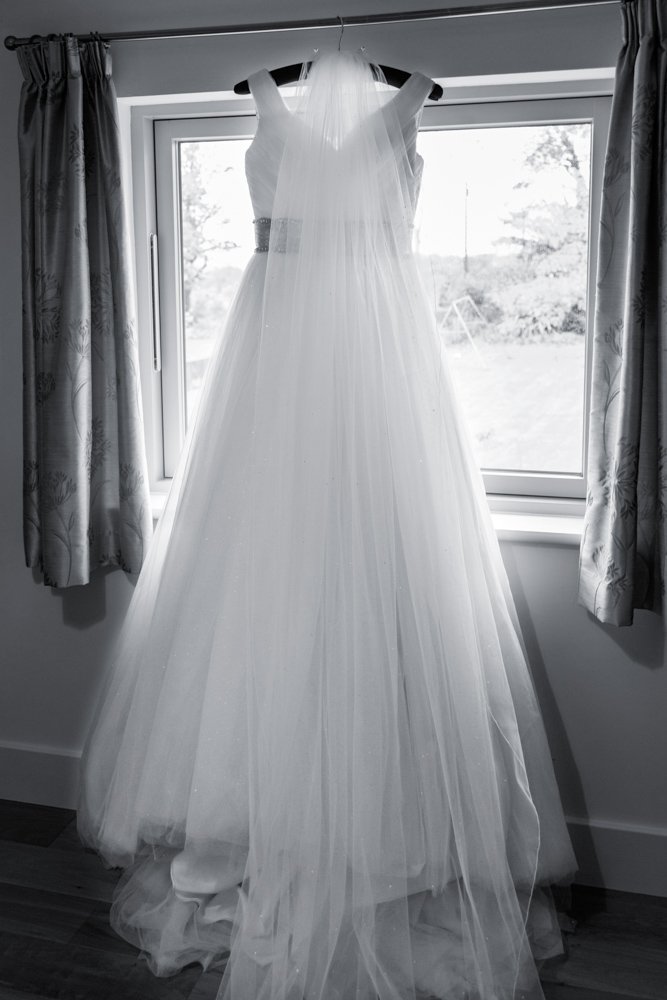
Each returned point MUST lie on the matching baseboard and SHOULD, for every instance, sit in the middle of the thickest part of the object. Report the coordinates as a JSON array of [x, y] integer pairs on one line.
[[47, 776], [621, 856]]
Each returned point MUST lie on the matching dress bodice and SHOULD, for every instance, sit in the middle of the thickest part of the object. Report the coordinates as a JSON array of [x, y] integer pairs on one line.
[[274, 119]]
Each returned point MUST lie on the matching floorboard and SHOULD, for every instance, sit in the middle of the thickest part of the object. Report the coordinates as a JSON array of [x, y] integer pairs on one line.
[[56, 942], [618, 948], [56, 871], [68, 840], [206, 987], [31, 824], [7, 993], [69, 972], [561, 991], [32, 912]]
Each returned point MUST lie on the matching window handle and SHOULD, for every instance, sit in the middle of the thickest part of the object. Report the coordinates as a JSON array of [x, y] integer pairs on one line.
[[155, 304]]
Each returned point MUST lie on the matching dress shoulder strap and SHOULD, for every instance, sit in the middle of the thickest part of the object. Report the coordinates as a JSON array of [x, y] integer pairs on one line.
[[265, 93], [411, 97]]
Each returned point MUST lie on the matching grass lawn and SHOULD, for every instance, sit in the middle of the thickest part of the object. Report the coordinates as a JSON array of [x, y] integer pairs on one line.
[[524, 403]]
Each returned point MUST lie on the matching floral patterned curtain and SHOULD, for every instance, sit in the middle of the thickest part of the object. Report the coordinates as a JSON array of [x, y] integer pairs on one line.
[[623, 553], [85, 484]]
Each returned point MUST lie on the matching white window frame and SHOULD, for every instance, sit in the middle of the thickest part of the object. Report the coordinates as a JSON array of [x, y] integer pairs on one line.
[[138, 118], [532, 99], [169, 133], [543, 111]]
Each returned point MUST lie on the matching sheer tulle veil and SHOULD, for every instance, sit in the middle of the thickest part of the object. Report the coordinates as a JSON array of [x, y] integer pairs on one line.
[[367, 783]]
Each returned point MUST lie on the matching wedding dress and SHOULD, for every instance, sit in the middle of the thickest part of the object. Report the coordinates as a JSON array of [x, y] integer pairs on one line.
[[318, 744]]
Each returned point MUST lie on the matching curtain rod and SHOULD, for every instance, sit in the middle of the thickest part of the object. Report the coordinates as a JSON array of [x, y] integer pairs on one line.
[[11, 42]]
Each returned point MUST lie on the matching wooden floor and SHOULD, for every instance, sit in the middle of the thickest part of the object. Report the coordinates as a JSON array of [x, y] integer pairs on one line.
[[55, 939]]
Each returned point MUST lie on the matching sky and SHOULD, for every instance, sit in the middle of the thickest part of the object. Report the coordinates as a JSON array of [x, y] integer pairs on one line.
[[489, 161]]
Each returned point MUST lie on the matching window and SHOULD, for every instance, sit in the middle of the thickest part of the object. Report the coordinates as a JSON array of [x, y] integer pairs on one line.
[[204, 221], [509, 199], [503, 236]]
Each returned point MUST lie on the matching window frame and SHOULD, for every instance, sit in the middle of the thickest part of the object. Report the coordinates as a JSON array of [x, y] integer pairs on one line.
[[168, 134], [138, 119], [155, 130], [542, 111]]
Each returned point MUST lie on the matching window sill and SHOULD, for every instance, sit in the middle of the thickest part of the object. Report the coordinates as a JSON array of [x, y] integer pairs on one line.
[[556, 529], [510, 525], [158, 501]]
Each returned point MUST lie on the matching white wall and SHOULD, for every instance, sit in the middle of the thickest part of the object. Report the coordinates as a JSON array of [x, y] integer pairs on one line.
[[603, 691]]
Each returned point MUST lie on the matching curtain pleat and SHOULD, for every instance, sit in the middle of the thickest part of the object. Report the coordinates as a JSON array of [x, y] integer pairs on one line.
[[86, 501], [622, 564]]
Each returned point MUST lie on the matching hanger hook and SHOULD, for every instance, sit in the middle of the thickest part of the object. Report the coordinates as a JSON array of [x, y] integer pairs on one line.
[[342, 29]]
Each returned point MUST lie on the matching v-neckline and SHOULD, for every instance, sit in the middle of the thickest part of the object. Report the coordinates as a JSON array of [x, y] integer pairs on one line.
[[291, 116]]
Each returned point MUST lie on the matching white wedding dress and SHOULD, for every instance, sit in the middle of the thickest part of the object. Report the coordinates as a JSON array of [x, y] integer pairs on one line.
[[319, 745]]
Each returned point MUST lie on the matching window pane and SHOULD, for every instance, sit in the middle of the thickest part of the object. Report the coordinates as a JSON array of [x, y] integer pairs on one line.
[[502, 238], [501, 235], [217, 241]]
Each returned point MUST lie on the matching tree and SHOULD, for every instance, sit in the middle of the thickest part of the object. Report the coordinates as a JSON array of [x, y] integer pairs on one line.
[[550, 236], [202, 221]]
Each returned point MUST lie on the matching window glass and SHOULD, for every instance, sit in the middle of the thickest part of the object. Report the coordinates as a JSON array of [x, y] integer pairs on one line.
[[502, 238], [217, 238]]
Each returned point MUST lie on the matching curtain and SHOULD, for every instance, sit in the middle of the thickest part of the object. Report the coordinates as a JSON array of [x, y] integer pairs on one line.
[[622, 565], [86, 499]]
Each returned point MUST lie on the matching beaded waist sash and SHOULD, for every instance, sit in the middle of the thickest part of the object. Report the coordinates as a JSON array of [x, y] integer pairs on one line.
[[285, 235]]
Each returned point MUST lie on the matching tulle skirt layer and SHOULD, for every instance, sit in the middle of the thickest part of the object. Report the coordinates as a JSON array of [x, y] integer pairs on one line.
[[319, 745]]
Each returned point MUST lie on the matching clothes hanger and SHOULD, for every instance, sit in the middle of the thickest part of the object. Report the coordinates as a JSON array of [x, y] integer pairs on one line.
[[292, 73]]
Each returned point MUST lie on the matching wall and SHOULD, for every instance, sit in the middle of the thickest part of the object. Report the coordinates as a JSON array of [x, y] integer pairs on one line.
[[602, 691]]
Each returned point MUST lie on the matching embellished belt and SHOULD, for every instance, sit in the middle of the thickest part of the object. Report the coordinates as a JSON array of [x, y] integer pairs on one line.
[[285, 235]]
